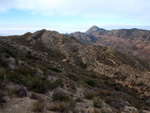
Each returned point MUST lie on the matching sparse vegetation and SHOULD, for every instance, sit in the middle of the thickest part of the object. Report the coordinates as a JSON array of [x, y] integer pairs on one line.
[[42, 73], [27, 76]]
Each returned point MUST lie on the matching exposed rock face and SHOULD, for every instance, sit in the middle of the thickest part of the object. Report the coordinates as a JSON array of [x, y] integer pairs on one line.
[[129, 41]]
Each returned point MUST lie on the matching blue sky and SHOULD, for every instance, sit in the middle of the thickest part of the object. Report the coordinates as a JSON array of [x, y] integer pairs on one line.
[[20, 16]]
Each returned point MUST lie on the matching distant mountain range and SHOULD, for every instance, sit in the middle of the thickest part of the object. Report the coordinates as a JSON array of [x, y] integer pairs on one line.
[[129, 41]]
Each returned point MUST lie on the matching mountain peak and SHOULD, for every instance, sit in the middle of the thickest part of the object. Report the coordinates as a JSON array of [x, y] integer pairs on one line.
[[93, 29]]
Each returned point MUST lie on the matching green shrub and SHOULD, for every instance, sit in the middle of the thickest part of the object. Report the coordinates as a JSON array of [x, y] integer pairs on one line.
[[97, 102], [83, 66], [93, 76], [60, 96], [90, 82], [2, 73], [112, 84], [40, 85], [17, 61], [55, 70]]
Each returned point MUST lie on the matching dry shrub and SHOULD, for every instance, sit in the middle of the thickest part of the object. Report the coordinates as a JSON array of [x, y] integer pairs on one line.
[[63, 107], [90, 95], [38, 106]]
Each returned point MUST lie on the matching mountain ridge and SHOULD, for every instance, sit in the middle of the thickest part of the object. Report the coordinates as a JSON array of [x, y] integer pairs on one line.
[[58, 64], [128, 41]]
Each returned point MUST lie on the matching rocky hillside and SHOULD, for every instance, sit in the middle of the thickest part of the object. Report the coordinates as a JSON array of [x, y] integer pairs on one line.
[[129, 41], [48, 72]]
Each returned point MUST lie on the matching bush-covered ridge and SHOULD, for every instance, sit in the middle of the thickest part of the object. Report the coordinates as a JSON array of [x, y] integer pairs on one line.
[[60, 85]]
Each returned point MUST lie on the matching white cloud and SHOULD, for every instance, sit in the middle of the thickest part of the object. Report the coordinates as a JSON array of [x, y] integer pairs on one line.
[[131, 12], [96, 8]]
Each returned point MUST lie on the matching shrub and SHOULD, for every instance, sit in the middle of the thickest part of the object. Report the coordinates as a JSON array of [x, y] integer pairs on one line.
[[44, 69], [114, 85], [55, 70], [90, 82], [105, 78], [2, 73], [103, 111], [17, 61], [26, 70], [93, 76], [29, 78], [3, 63], [97, 102], [54, 107], [10, 91], [60, 96], [56, 84], [89, 95], [70, 75], [39, 84], [1, 98], [83, 65], [72, 85], [38, 106], [62, 107], [96, 111], [109, 100], [7, 55], [10, 52]]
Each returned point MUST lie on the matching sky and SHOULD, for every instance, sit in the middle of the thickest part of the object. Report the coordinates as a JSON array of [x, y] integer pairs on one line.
[[66, 16]]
